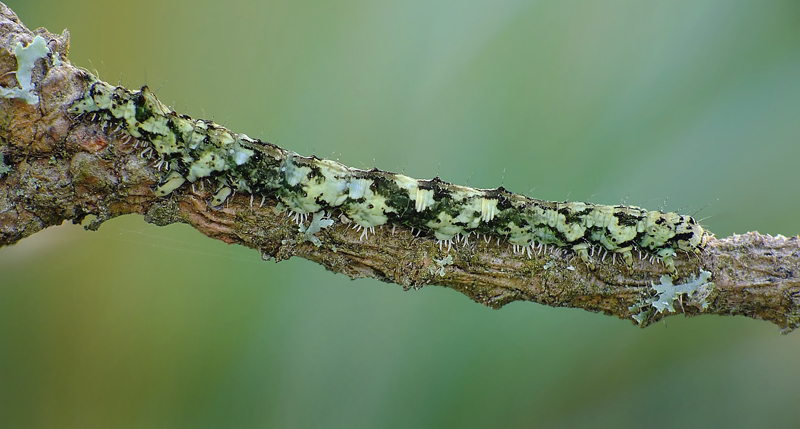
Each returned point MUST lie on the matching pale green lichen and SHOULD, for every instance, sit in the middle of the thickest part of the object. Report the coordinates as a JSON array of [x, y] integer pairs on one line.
[[26, 59], [440, 264], [641, 316], [696, 290], [695, 293], [318, 223]]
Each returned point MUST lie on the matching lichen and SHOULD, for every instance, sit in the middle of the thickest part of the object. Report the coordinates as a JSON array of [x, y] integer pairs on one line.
[[693, 293], [318, 223], [26, 59], [440, 264], [696, 290]]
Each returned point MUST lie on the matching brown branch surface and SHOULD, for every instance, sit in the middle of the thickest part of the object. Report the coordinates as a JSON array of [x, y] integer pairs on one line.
[[60, 169]]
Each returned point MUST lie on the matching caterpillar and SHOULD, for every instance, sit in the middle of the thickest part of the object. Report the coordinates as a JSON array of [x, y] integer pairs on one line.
[[193, 150]]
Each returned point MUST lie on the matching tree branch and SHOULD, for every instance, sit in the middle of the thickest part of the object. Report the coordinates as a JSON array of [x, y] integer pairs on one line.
[[57, 168]]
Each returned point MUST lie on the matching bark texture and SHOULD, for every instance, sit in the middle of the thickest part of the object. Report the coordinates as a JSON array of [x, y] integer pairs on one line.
[[57, 168]]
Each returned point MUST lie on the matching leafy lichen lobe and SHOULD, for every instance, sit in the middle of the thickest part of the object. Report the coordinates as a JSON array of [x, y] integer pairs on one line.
[[26, 59]]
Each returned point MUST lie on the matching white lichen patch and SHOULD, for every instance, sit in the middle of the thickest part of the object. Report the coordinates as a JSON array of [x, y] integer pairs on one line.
[[195, 150], [26, 59], [319, 222], [440, 264], [695, 292]]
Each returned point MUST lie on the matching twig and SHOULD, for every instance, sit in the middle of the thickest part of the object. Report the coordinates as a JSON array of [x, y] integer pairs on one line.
[[56, 167]]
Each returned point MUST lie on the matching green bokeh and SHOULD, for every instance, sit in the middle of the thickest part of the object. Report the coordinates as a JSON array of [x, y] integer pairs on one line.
[[688, 105]]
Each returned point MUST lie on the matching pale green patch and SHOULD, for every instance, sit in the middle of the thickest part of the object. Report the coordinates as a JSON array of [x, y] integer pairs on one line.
[[440, 264], [26, 59], [368, 209], [318, 223], [693, 293], [171, 183], [696, 291], [334, 188], [206, 164], [640, 317], [372, 212], [444, 227], [222, 194], [294, 173]]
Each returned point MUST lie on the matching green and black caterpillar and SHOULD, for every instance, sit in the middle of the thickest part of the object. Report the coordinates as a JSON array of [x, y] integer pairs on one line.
[[193, 150]]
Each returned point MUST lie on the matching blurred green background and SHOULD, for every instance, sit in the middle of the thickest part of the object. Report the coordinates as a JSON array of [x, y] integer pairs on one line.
[[686, 105]]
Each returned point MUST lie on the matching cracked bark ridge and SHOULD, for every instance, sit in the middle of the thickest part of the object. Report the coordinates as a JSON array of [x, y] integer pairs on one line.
[[60, 169]]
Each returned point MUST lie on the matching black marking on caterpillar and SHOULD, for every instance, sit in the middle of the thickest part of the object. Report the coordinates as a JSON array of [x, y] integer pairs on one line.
[[193, 150]]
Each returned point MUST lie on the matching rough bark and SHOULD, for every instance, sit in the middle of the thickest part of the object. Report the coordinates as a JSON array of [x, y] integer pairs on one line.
[[57, 169]]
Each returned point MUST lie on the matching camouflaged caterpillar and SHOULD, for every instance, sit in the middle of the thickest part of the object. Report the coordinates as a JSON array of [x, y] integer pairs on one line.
[[193, 150]]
